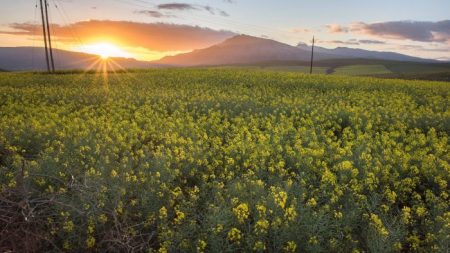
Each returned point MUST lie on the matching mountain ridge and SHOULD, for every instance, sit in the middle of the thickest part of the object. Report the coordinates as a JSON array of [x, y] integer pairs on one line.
[[348, 52], [238, 50], [33, 59], [245, 49]]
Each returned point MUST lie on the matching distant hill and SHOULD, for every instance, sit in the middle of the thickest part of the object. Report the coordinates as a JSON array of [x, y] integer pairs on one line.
[[241, 49], [235, 51], [346, 52], [33, 59], [244, 49]]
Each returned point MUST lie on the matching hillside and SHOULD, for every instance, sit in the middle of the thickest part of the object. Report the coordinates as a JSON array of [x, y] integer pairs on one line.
[[241, 49], [244, 49], [356, 53], [33, 59]]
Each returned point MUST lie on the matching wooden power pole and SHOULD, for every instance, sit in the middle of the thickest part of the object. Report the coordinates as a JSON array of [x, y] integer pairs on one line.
[[44, 30], [312, 56], [47, 37], [52, 63]]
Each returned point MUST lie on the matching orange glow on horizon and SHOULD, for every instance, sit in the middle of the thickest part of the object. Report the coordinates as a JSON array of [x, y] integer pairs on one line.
[[105, 50]]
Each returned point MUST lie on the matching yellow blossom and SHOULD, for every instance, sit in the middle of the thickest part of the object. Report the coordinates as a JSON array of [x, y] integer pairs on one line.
[[201, 245], [241, 212], [234, 235], [162, 213], [290, 247], [90, 242], [259, 246], [261, 226], [311, 202], [179, 216]]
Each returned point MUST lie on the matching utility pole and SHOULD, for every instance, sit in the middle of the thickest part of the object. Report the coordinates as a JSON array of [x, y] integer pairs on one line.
[[44, 30], [312, 57], [52, 63]]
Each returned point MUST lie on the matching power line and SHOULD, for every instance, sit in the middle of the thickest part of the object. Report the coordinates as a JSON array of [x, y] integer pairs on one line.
[[68, 23], [257, 30]]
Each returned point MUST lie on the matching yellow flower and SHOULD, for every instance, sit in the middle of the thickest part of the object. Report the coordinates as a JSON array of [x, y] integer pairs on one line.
[[391, 196], [259, 246], [261, 226], [241, 212], [328, 177], [179, 216], [313, 240], [114, 173], [346, 165], [68, 226], [201, 245], [378, 225], [406, 215], [290, 247], [261, 210], [311, 202], [234, 235], [338, 215], [280, 198], [398, 246], [177, 192], [421, 211], [290, 213], [91, 229], [66, 245], [414, 241], [162, 213], [90, 242], [218, 228]]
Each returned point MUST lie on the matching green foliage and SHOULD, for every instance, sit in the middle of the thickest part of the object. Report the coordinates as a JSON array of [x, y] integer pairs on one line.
[[223, 161], [302, 69], [362, 70]]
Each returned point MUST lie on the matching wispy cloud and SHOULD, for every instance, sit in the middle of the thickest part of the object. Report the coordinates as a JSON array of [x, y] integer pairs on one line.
[[354, 42], [153, 36], [187, 7], [423, 31], [378, 42], [422, 48], [300, 30], [154, 14], [335, 28], [339, 42], [177, 6]]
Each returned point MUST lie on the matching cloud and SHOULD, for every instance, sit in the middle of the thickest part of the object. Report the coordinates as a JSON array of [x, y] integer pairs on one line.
[[423, 31], [300, 30], [177, 6], [379, 42], [348, 42], [154, 14], [187, 7], [224, 13], [335, 28], [422, 48], [352, 42], [161, 37]]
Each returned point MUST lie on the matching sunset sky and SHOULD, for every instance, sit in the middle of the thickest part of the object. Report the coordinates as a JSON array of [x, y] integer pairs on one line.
[[150, 29]]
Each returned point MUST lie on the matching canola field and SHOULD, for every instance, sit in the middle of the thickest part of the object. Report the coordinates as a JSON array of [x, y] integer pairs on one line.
[[224, 160]]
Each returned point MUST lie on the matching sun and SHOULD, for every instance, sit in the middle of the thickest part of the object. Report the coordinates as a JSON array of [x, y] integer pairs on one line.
[[105, 50]]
